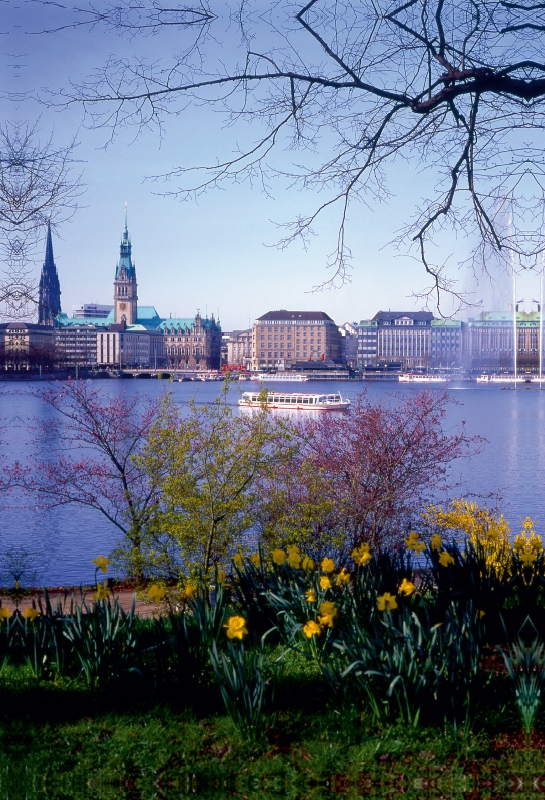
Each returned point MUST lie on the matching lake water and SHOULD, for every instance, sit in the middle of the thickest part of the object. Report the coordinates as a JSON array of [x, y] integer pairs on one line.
[[512, 462]]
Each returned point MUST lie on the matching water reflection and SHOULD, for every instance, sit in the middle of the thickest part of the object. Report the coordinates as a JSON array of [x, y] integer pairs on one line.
[[65, 539]]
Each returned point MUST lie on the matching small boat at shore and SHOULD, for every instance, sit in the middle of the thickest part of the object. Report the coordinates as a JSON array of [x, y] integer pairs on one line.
[[294, 401]]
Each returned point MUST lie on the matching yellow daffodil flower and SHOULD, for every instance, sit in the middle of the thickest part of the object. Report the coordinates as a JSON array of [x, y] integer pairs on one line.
[[527, 559], [16, 584], [436, 542], [328, 612], [479, 614], [343, 577], [406, 587], [445, 559], [411, 540], [189, 591], [30, 613], [156, 593], [386, 602], [327, 565], [222, 577], [236, 627], [256, 560], [4, 612], [310, 596], [308, 564], [278, 556], [325, 583], [238, 559], [101, 563], [311, 629], [294, 557], [101, 592]]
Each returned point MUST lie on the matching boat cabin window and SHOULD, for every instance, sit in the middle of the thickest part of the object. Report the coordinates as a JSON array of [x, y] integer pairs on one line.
[[293, 399], [305, 400], [321, 399]]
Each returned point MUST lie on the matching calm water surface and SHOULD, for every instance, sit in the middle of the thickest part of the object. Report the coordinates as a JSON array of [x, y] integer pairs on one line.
[[512, 463]]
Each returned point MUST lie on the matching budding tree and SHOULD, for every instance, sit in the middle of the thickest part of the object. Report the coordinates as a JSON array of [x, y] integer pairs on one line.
[[455, 87]]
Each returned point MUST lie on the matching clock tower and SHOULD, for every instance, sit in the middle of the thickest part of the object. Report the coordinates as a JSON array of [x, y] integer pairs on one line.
[[125, 286]]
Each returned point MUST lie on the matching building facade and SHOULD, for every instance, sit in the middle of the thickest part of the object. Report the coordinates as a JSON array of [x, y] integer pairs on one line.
[[193, 344], [446, 343], [239, 349], [24, 345], [76, 346], [292, 339], [404, 337], [91, 311], [488, 341], [125, 346]]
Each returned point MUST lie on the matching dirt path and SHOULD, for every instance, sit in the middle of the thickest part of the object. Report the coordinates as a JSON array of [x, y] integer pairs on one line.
[[125, 596]]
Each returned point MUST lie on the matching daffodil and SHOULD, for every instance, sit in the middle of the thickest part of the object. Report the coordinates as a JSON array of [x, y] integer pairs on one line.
[[436, 542], [310, 596], [101, 592], [411, 540], [406, 587], [238, 559], [308, 564], [236, 627], [327, 565], [479, 614], [16, 584], [445, 559], [325, 583], [101, 563], [156, 593], [527, 559], [328, 612], [256, 560], [30, 613], [362, 554], [311, 629], [278, 556], [222, 577], [386, 602], [294, 557], [189, 591], [4, 612], [343, 577]]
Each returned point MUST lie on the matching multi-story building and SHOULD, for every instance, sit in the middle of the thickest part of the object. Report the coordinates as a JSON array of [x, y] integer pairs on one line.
[[193, 344], [367, 343], [488, 341], [446, 342], [125, 346], [91, 311], [24, 345], [76, 345], [295, 338], [239, 349], [404, 337], [349, 332]]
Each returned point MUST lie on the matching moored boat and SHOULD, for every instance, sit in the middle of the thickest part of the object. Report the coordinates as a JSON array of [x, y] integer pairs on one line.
[[295, 401], [412, 378], [290, 377]]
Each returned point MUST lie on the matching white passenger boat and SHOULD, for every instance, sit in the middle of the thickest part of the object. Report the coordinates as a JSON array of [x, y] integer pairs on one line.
[[410, 378], [295, 401], [290, 377], [508, 379]]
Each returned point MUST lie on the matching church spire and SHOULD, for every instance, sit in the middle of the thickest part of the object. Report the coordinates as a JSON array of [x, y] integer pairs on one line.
[[49, 304]]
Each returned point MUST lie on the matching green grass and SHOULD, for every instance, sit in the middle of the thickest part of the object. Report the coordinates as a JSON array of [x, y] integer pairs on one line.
[[60, 740]]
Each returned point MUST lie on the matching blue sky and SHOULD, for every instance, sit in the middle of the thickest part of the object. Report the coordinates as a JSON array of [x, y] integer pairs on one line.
[[217, 253]]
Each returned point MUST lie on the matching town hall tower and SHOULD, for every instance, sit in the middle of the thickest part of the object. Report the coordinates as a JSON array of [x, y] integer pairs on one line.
[[125, 286], [49, 303]]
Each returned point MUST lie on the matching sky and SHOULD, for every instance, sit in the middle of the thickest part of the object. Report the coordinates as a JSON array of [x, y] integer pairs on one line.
[[216, 253]]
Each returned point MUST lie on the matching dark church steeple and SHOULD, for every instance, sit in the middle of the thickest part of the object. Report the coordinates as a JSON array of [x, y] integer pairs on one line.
[[50, 289]]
